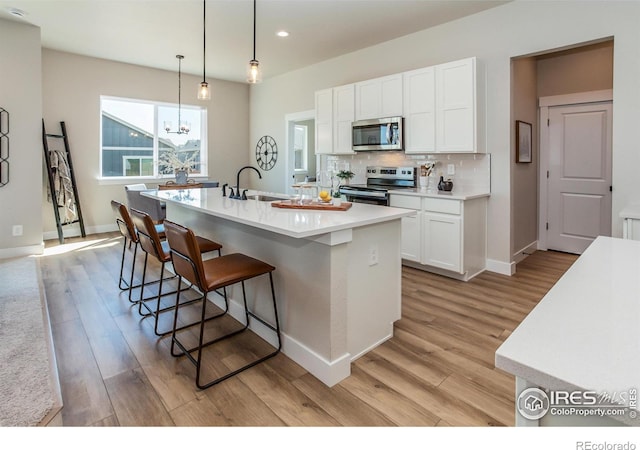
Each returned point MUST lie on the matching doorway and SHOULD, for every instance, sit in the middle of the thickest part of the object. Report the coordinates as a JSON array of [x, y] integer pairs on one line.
[[575, 156], [301, 161]]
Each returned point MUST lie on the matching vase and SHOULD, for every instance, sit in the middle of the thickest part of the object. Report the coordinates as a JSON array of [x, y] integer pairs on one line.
[[181, 176]]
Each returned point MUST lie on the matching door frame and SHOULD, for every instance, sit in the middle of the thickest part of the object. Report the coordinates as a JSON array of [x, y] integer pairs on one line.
[[289, 123], [544, 103]]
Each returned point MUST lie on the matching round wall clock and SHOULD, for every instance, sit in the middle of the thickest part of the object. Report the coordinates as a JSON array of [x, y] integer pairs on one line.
[[266, 152]]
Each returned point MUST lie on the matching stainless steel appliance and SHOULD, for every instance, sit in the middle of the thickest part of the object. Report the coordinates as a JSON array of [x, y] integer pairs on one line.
[[379, 181], [377, 134]]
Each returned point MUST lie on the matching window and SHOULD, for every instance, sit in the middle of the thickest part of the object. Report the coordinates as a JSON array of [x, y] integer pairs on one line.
[[300, 148], [137, 166], [135, 142]]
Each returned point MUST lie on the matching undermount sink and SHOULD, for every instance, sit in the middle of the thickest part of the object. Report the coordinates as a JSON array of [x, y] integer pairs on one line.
[[264, 198]]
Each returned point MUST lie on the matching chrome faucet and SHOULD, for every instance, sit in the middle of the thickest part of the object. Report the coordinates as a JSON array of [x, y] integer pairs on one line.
[[237, 195]]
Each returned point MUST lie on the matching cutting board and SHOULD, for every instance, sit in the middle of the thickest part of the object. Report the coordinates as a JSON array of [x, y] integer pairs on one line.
[[318, 206]]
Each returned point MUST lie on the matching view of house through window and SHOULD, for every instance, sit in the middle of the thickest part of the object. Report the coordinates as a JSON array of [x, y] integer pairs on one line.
[[135, 141]]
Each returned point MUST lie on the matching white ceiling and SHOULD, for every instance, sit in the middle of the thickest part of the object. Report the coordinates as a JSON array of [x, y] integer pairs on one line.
[[152, 32]]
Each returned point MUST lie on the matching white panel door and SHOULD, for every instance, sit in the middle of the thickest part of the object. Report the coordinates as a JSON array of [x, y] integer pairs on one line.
[[579, 181]]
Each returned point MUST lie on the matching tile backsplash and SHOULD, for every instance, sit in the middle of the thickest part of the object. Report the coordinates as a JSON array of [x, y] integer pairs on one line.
[[472, 171]]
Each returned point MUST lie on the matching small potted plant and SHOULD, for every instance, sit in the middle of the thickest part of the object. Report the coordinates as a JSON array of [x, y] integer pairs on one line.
[[345, 176]]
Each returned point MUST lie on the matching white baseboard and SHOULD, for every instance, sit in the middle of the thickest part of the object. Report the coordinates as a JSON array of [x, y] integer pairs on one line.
[[27, 250], [525, 251], [329, 372], [501, 267], [74, 231]]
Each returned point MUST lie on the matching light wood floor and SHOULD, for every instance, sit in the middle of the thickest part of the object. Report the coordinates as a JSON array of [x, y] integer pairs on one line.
[[438, 370]]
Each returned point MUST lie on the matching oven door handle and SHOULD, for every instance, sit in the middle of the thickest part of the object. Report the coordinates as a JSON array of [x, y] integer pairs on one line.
[[357, 193]]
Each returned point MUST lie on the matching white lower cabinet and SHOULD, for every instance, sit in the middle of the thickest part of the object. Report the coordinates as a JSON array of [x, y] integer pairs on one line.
[[442, 241], [412, 237], [446, 236]]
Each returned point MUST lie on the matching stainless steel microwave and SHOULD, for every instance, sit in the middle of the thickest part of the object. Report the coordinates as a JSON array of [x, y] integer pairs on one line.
[[377, 134]]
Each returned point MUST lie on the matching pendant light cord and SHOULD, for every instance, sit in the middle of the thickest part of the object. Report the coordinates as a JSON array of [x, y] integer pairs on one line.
[[204, 39], [179, 87], [254, 30]]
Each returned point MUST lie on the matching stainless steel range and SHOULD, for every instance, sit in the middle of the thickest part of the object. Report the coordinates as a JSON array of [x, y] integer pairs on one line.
[[379, 181]]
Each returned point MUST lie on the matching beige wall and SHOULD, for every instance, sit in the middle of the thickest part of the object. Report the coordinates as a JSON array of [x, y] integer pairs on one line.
[[72, 86], [588, 68], [524, 176], [21, 96], [494, 36]]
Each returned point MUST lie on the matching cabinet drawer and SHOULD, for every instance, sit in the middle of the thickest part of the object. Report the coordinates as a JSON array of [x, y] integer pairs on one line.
[[405, 201], [442, 205]]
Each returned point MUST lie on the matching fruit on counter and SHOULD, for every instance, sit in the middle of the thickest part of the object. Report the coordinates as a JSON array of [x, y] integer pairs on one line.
[[324, 195]]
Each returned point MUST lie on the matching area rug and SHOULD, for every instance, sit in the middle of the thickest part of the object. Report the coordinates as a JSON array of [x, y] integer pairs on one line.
[[27, 392]]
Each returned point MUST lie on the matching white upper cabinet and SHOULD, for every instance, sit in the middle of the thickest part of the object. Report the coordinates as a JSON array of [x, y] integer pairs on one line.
[[419, 107], [343, 116], [439, 105], [378, 98], [440, 108], [324, 121], [456, 106]]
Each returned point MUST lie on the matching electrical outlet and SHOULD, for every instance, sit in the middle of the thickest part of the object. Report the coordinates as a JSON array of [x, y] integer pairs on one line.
[[451, 169], [373, 255], [17, 230]]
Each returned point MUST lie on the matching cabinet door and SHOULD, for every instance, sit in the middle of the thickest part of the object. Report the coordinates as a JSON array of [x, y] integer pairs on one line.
[[419, 110], [343, 116], [391, 96], [368, 100], [442, 241], [324, 121], [456, 106], [378, 98], [412, 237]]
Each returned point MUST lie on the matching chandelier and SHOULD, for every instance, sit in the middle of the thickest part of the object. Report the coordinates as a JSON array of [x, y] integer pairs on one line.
[[183, 127]]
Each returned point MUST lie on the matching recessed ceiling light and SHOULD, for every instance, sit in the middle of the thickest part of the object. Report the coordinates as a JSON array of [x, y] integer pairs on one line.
[[17, 12], [282, 33]]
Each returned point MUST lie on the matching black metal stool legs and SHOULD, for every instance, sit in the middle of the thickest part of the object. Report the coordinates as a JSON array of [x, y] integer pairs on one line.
[[197, 360]]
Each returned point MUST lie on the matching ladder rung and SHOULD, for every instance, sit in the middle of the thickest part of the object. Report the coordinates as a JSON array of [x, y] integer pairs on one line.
[[55, 135]]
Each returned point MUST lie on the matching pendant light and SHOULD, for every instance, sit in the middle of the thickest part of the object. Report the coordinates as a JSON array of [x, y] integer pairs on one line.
[[254, 74], [203, 91], [183, 127]]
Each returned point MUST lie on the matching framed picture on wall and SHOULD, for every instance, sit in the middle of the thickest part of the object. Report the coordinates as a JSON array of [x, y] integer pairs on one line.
[[523, 142]]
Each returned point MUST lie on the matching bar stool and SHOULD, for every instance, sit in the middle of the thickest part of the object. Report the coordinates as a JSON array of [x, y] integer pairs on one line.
[[152, 245], [128, 231], [211, 276]]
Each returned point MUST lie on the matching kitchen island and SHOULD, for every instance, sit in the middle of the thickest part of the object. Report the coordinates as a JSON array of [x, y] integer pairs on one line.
[[582, 338], [338, 273]]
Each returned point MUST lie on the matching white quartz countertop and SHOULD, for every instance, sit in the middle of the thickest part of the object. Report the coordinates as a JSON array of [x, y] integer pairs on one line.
[[297, 223], [455, 194], [584, 333]]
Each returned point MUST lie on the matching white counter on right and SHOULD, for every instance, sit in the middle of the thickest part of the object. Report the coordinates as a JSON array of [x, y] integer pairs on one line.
[[583, 335]]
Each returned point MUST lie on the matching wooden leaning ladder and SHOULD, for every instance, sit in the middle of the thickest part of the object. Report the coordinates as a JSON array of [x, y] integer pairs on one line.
[[51, 173]]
